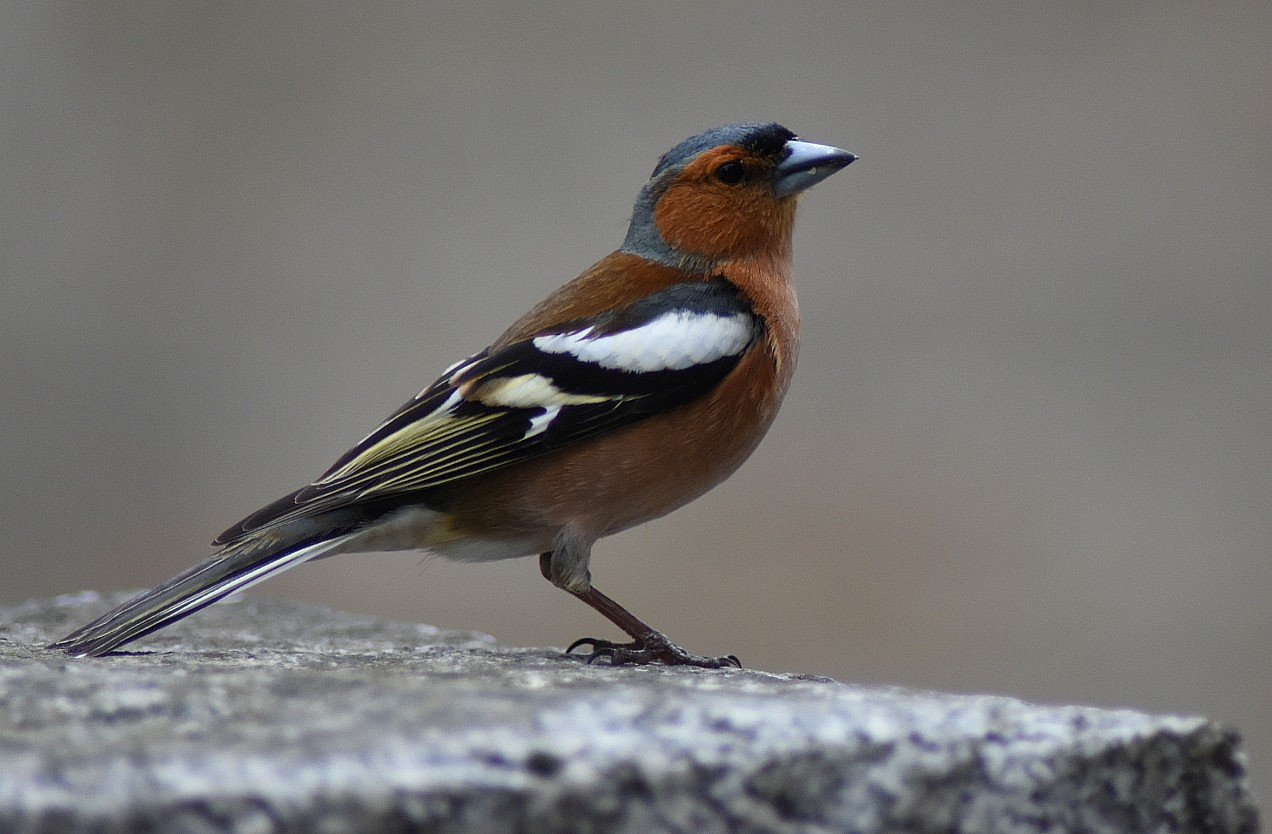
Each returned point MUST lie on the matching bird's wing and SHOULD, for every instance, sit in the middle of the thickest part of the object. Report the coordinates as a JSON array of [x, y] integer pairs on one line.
[[529, 397]]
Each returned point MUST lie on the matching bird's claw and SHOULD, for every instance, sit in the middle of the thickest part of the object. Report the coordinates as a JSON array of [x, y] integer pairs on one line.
[[654, 648]]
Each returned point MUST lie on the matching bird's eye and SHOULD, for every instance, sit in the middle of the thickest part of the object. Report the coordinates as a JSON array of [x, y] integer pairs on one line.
[[731, 173]]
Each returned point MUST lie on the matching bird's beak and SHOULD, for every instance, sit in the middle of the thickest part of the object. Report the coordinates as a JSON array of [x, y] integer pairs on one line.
[[807, 164]]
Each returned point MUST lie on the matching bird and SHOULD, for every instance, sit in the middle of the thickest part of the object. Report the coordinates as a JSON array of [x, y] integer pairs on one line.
[[625, 394]]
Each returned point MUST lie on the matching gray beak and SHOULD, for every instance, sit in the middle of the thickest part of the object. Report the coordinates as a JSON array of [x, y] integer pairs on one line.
[[807, 164]]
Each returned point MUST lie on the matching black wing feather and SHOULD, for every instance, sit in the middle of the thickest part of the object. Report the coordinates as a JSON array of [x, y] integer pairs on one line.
[[448, 433]]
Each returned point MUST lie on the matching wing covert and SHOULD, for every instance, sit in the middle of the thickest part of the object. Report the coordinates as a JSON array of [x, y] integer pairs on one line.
[[527, 398]]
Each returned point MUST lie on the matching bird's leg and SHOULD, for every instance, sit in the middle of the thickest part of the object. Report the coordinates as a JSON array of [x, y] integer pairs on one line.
[[648, 645]]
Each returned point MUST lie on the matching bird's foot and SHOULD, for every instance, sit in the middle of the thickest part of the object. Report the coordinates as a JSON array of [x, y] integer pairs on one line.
[[652, 648]]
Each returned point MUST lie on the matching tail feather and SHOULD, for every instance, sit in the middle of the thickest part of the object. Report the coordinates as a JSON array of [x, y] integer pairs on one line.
[[186, 593]]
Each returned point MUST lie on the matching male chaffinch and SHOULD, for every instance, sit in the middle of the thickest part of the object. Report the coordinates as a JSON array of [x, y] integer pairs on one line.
[[625, 394]]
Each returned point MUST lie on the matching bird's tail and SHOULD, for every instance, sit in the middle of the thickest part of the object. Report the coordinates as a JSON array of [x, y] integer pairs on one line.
[[182, 595]]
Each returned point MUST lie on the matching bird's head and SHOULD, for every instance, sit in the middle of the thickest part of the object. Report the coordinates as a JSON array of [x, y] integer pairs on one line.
[[726, 193]]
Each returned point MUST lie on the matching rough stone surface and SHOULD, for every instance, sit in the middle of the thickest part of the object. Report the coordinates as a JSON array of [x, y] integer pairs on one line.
[[267, 716]]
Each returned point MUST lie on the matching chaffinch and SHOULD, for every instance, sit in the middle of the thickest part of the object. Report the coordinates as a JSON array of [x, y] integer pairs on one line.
[[625, 394]]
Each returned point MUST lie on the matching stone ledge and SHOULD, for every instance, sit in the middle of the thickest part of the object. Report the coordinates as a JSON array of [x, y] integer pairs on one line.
[[266, 716]]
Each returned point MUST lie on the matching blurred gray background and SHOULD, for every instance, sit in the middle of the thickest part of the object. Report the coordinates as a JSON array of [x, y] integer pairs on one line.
[[1029, 446]]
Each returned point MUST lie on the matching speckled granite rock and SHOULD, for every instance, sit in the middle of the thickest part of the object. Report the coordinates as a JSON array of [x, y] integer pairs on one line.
[[268, 716]]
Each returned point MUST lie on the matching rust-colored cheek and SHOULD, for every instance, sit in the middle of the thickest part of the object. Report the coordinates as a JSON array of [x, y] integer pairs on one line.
[[723, 223]]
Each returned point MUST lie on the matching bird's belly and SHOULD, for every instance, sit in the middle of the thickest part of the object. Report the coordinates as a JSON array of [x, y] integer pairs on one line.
[[489, 550], [419, 528]]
